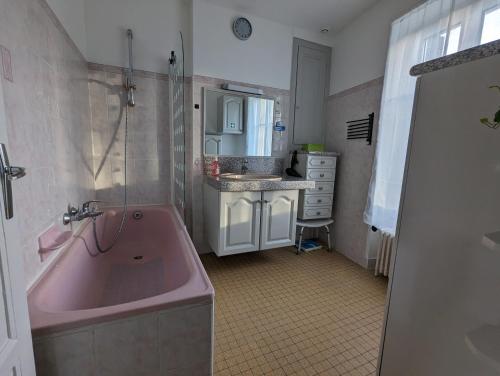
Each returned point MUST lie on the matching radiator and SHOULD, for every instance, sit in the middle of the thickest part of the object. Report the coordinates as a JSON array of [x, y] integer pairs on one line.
[[384, 254]]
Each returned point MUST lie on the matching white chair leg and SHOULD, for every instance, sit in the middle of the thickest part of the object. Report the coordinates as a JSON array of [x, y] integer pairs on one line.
[[300, 240], [329, 240]]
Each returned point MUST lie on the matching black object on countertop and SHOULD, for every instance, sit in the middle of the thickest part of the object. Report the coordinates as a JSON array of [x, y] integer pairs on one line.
[[291, 171]]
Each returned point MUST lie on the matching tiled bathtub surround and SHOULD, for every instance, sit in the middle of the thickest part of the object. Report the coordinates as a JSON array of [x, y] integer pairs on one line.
[[194, 149], [159, 343], [48, 125], [354, 168], [148, 170]]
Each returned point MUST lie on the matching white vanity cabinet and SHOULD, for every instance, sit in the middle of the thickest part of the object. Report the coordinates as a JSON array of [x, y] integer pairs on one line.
[[238, 222]]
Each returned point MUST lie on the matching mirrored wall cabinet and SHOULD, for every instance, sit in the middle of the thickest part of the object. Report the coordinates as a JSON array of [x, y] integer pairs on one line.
[[237, 124]]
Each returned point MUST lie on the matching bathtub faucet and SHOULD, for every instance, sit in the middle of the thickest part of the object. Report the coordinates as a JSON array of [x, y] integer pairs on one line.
[[76, 214]]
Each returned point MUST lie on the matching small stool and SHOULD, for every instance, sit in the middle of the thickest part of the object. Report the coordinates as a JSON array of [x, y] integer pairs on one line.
[[316, 223]]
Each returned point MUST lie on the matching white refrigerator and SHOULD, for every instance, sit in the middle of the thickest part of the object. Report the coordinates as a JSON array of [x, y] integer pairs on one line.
[[443, 315]]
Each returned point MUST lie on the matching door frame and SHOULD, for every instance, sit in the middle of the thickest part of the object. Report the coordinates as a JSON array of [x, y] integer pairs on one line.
[[297, 43], [14, 282]]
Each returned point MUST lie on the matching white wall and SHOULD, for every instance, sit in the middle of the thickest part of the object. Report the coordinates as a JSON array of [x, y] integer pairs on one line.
[[264, 59], [360, 50], [156, 25], [71, 14]]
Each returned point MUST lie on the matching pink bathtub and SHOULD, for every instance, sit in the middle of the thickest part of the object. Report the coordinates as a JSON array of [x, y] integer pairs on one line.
[[153, 267]]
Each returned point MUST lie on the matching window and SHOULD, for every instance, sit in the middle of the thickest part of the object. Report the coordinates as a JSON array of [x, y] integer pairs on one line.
[[429, 52], [491, 26], [453, 41], [421, 35]]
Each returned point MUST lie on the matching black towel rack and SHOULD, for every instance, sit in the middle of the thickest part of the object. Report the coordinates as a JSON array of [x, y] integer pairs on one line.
[[361, 129]]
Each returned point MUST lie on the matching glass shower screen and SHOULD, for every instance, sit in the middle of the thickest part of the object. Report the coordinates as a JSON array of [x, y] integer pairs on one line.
[[177, 94]]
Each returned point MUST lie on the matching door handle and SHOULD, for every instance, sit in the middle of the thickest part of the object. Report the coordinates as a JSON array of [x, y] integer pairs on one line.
[[15, 173], [8, 174]]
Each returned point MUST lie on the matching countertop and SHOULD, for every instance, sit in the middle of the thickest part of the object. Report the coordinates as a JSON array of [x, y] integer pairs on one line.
[[288, 183], [465, 56]]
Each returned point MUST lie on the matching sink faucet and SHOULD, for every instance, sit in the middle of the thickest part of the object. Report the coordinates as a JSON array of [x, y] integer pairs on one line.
[[87, 211], [244, 166]]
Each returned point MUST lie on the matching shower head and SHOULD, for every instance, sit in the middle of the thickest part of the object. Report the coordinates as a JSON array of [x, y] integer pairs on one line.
[[130, 85]]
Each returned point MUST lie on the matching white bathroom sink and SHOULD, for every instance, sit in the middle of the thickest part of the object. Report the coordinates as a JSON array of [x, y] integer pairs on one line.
[[249, 177]]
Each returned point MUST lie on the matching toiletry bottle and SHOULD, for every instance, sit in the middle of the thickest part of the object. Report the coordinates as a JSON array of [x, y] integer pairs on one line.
[[278, 136], [215, 168], [278, 131]]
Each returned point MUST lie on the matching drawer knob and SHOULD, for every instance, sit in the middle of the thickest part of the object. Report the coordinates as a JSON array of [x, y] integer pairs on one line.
[[322, 162], [319, 201], [320, 188], [321, 175], [318, 213]]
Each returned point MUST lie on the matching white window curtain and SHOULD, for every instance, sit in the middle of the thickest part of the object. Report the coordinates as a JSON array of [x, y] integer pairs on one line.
[[434, 29]]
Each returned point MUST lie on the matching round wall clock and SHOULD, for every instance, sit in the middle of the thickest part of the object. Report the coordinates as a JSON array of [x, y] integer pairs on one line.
[[242, 28]]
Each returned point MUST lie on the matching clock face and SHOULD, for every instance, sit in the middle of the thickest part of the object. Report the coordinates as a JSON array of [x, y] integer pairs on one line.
[[242, 28]]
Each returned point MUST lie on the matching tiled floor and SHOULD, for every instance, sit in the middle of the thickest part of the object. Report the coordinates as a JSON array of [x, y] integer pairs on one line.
[[281, 314]]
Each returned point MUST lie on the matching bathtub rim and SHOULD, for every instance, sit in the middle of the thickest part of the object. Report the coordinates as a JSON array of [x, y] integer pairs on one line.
[[197, 289]]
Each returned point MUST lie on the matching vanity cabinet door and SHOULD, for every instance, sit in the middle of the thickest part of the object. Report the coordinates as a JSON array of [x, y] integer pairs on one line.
[[279, 218], [239, 222]]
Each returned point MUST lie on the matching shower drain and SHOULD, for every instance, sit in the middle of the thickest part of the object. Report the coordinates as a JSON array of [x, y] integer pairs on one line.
[[137, 215]]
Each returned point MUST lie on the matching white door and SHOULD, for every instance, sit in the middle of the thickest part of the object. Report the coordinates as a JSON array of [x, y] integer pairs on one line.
[[16, 350], [240, 222], [279, 218], [311, 84]]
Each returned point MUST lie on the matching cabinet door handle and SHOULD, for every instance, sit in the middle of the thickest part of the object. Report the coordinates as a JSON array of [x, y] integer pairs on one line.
[[320, 201], [321, 175], [318, 213], [320, 188], [322, 162]]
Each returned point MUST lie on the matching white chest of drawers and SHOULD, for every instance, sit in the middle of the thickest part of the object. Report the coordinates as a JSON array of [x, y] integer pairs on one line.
[[316, 203]]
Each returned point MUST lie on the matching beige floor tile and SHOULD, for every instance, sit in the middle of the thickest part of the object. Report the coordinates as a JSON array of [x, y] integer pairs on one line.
[[281, 314]]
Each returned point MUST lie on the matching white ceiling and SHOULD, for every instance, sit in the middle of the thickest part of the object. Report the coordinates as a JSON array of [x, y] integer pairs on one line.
[[310, 15]]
